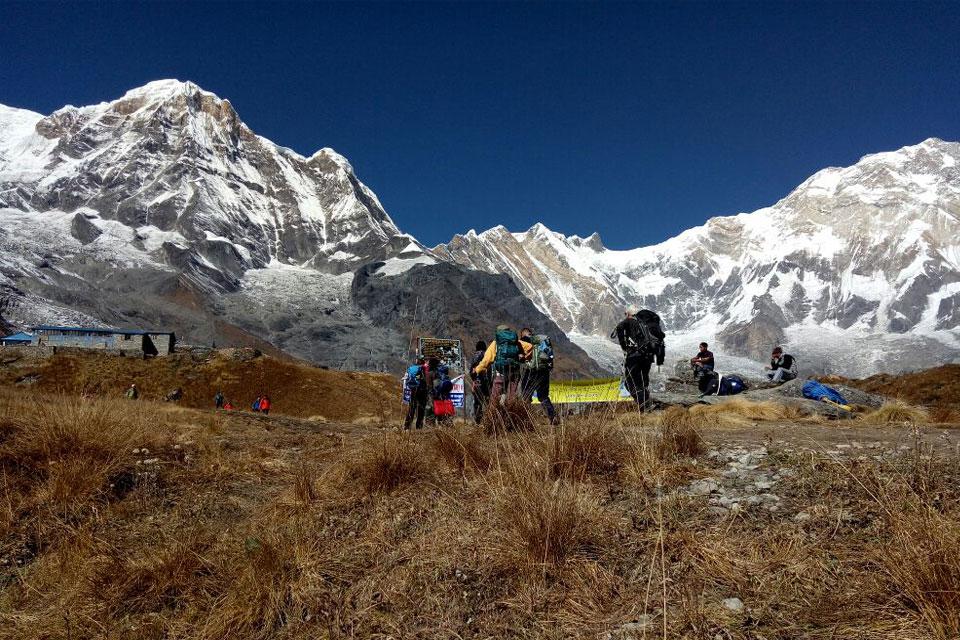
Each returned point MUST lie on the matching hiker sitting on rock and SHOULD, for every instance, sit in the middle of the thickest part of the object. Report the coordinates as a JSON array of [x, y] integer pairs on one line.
[[782, 366], [702, 362]]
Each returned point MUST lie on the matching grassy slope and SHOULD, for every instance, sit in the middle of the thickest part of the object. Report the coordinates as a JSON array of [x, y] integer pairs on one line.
[[296, 388]]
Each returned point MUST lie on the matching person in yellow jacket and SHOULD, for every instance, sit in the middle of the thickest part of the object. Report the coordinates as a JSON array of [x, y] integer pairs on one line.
[[505, 356]]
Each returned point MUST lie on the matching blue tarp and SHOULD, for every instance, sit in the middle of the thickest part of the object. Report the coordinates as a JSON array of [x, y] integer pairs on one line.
[[817, 391]]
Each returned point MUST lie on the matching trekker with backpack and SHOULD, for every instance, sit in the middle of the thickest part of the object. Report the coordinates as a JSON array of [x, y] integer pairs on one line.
[[536, 373], [783, 366], [265, 404], [505, 355], [218, 399], [443, 409], [416, 383], [642, 340], [480, 382]]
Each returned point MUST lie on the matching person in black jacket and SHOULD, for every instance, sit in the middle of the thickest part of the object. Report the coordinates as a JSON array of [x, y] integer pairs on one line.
[[642, 341], [480, 382], [781, 366], [702, 362]]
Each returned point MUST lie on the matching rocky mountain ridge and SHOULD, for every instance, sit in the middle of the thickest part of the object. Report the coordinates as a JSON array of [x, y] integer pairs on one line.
[[162, 208]]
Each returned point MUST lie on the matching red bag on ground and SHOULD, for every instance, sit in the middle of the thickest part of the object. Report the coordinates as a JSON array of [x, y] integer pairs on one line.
[[443, 408]]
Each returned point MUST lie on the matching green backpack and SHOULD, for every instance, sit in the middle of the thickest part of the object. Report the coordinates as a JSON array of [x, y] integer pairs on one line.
[[542, 356], [508, 351]]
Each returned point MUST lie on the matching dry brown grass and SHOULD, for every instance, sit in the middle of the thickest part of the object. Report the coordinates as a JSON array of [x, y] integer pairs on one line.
[[512, 416], [742, 408], [921, 563], [62, 459], [250, 529], [897, 413]]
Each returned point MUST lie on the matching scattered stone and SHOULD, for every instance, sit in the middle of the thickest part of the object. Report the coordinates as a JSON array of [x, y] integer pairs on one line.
[[733, 604]]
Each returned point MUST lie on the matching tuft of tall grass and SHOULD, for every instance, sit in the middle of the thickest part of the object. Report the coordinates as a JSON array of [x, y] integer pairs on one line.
[[921, 561], [679, 436], [514, 415], [463, 449], [67, 455], [897, 412], [390, 462], [546, 522], [587, 447]]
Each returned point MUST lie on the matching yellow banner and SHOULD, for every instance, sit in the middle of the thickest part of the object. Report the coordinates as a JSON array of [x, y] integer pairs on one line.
[[594, 390]]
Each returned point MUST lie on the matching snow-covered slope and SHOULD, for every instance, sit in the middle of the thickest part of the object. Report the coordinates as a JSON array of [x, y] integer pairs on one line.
[[862, 263]]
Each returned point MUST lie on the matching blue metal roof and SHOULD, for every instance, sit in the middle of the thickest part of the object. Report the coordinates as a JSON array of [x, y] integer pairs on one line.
[[19, 336], [125, 332]]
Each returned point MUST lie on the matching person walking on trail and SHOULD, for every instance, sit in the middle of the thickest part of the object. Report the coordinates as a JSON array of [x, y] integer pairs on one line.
[[641, 338], [255, 407], [782, 366], [702, 362], [505, 355], [416, 384], [536, 372], [132, 392], [265, 404], [480, 383], [219, 400]]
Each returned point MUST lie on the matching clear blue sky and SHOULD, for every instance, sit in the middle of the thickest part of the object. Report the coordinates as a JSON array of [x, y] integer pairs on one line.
[[636, 121]]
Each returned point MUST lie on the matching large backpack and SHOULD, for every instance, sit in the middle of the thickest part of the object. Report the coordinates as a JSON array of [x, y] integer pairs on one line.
[[646, 335], [542, 356], [508, 351], [714, 384], [415, 378]]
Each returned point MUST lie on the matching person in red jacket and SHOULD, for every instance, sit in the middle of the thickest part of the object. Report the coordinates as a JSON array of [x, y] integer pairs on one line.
[[265, 404]]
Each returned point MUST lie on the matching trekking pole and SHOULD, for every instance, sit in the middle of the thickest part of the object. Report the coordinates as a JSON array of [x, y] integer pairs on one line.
[[413, 325]]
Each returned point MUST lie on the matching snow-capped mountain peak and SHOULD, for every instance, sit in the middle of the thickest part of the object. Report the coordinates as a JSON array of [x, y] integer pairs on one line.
[[865, 252], [173, 162]]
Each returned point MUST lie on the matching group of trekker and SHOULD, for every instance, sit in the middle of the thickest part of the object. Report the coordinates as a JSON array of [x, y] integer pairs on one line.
[[512, 366], [262, 403], [519, 366], [783, 368]]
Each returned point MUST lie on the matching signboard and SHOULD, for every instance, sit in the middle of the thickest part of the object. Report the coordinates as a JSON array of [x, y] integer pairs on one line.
[[457, 393], [594, 390], [448, 351]]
